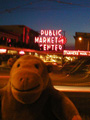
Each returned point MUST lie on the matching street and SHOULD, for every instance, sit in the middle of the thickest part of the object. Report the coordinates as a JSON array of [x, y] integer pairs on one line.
[[74, 80]]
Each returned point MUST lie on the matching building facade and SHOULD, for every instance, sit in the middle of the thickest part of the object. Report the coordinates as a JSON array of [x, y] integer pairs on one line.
[[18, 36], [82, 41]]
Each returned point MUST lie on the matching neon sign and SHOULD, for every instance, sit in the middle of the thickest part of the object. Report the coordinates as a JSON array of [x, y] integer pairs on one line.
[[51, 40], [76, 52]]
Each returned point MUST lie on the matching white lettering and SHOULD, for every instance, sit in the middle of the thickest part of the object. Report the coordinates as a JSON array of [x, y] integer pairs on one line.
[[60, 47], [48, 39], [48, 47], [56, 47], [44, 40], [40, 41], [59, 32], [52, 40], [50, 33], [42, 32], [36, 39], [45, 47], [46, 32], [52, 47]]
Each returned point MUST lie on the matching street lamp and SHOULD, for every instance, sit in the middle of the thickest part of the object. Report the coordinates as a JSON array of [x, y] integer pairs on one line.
[[80, 38]]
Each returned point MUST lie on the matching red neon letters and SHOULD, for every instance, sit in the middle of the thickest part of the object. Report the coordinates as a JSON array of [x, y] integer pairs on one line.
[[51, 40]]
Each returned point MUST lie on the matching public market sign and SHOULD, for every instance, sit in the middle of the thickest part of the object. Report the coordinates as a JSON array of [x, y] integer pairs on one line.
[[51, 40]]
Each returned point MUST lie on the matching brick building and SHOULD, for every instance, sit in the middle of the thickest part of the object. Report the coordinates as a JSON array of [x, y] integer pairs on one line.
[[82, 41]]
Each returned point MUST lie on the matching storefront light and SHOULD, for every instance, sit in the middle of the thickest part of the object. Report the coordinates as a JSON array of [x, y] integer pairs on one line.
[[21, 52], [36, 54], [12, 52], [3, 50], [30, 53]]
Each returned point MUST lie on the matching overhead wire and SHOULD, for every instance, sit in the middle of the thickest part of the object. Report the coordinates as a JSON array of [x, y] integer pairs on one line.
[[18, 7], [70, 3]]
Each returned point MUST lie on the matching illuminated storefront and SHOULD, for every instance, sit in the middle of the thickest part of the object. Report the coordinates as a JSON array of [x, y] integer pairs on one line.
[[46, 56]]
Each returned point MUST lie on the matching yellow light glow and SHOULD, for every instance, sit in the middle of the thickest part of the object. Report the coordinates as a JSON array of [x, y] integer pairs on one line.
[[36, 54], [80, 38], [30, 53]]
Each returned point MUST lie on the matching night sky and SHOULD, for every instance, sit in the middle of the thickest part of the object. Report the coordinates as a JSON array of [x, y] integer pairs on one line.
[[69, 15]]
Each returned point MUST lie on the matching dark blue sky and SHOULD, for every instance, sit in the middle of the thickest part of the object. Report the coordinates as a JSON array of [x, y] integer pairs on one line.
[[69, 15]]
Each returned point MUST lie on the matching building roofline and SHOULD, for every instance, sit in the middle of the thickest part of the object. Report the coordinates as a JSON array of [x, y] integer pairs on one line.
[[21, 26]]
